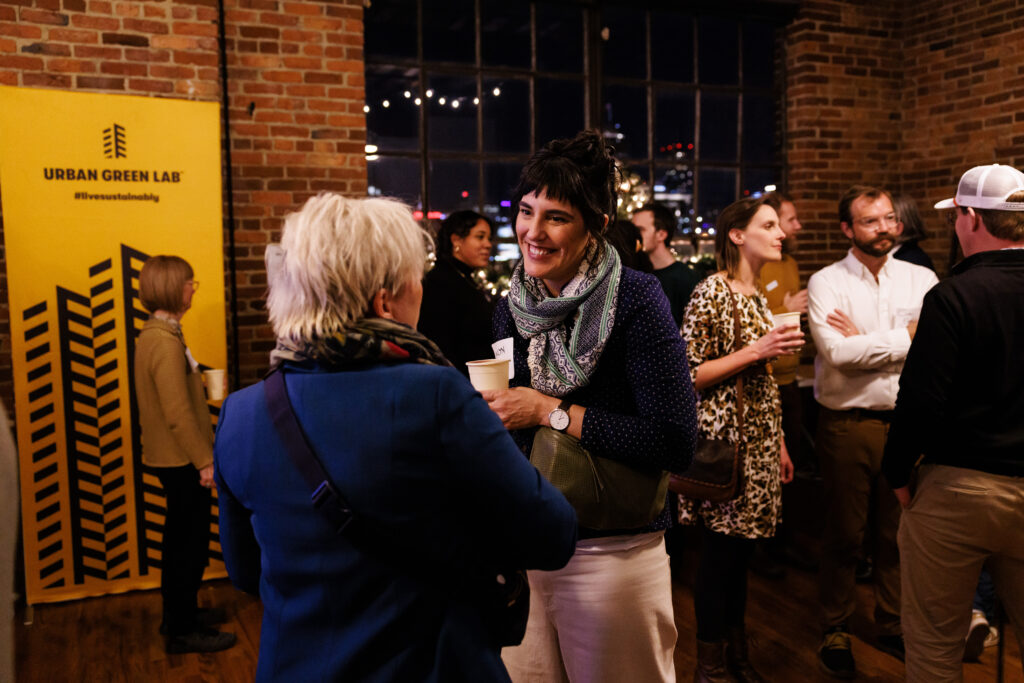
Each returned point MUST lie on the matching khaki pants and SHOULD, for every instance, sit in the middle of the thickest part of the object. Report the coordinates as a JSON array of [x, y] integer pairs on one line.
[[605, 617], [849, 448], [958, 520]]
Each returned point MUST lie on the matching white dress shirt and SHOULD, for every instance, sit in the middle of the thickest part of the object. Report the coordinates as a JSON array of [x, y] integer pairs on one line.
[[863, 371]]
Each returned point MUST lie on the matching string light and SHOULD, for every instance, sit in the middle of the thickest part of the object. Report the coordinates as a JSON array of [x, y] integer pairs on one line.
[[407, 94], [385, 104], [455, 104], [418, 101], [430, 93], [366, 109], [441, 101]]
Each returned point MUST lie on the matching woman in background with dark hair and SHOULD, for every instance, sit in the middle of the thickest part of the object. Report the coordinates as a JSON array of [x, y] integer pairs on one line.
[[598, 357], [627, 240], [913, 232], [456, 311]]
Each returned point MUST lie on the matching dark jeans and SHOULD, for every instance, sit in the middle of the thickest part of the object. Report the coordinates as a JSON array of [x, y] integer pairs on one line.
[[186, 543], [720, 588]]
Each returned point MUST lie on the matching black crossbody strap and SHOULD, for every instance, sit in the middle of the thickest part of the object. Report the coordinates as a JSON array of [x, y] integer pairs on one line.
[[325, 496]]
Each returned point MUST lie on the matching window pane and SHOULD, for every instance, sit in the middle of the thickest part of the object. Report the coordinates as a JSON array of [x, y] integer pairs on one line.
[[448, 31], [718, 43], [499, 181], [673, 125], [674, 185], [716, 191], [395, 177], [453, 185], [391, 29], [559, 38], [505, 33], [625, 49], [451, 123], [392, 120], [759, 129], [671, 47], [559, 109], [718, 123], [758, 54], [755, 180], [625, 120], [506, 111]]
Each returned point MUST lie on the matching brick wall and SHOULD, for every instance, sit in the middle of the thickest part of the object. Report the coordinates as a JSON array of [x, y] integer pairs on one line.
[[903, 94], [295, 75]]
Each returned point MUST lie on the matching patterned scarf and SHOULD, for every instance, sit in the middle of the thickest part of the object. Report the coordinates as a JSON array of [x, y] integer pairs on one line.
[[559, 365], [363, 343]]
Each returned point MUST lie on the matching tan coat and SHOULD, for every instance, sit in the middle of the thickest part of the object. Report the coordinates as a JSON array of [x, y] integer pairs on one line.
[[173, 414]]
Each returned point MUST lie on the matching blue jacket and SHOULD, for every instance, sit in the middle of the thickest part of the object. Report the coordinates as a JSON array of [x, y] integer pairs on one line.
[[415, 450]]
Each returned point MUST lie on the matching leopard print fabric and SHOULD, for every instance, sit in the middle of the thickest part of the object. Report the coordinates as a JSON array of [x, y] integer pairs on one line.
[[708, 329]]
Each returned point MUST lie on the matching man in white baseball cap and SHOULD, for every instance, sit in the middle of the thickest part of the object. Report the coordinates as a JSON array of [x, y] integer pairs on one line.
[[960, 410]]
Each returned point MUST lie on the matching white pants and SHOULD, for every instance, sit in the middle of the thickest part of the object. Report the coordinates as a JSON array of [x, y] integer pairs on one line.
[[605, 617]]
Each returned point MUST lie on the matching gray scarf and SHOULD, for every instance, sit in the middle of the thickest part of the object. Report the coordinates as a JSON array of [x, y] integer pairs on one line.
[[559, 365]]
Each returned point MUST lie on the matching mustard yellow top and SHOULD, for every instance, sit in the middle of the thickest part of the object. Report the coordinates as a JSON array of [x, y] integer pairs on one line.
[[173, 414], [779, 278]]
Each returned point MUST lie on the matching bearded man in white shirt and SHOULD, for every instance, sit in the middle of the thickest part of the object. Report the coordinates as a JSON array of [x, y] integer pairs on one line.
[[862, 312]]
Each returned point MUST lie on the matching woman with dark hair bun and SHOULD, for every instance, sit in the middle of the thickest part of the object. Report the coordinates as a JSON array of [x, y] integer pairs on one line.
[[913, 232], [456, 311], [598, 357]]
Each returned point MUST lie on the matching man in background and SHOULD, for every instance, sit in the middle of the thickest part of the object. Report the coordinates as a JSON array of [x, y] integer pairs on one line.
[[780, 281], [961, 406], [658, 226]]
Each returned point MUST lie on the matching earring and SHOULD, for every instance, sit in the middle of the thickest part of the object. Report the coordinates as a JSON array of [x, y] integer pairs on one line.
[[457, 248]]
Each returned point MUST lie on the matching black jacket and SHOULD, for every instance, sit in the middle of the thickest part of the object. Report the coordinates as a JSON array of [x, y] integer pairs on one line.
[[961, 398], [456, 314]]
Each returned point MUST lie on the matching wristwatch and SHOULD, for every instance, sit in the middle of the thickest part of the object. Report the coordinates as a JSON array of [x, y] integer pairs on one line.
[[559, 417]]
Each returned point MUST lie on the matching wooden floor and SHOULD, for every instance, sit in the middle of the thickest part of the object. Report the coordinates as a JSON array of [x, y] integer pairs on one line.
[[115, 638]]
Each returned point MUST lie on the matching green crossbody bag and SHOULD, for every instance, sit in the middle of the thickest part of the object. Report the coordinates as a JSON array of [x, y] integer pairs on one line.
[[606, 494]]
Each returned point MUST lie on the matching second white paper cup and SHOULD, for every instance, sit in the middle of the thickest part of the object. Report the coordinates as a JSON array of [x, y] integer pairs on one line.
[[214, 384], [783, 319], [488, 375]]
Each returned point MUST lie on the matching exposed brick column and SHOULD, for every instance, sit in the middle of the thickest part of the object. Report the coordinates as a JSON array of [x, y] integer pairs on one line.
[[843, 99]]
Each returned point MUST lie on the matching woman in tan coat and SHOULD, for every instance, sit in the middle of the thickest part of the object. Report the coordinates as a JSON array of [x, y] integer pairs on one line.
[[177, 442]]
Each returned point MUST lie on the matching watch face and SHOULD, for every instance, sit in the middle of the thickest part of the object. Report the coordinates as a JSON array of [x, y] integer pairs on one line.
[[559, 419]]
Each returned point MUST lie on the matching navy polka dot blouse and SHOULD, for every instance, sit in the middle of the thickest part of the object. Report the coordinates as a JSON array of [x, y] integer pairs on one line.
[[640, 400]]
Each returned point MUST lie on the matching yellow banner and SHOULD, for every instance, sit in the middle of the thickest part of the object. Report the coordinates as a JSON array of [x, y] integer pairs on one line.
[[91, 185]]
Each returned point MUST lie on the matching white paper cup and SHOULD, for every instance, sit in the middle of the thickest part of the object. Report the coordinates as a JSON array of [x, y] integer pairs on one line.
[[214, 384], [488, 375], [785, 319]]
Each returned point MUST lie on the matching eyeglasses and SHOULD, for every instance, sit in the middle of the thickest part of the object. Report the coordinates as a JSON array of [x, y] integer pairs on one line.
[[873, 222]]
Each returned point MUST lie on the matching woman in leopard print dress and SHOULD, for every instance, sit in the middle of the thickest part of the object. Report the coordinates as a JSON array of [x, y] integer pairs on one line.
[[748, 236]]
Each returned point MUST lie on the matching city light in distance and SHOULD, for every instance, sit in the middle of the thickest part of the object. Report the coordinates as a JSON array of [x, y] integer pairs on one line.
[[769, 188]]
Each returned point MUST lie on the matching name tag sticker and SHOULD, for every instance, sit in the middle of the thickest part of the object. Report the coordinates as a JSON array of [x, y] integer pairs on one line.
[[503, 350], [771, 285]]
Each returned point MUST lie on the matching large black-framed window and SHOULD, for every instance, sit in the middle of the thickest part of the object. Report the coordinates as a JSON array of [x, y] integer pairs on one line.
[[460, 92]]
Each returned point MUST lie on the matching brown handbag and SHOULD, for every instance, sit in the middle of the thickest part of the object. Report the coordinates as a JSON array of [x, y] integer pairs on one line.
[[716, 472]]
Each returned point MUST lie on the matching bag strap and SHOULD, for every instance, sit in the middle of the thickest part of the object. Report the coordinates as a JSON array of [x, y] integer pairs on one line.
[[325, 496], [736, 341]]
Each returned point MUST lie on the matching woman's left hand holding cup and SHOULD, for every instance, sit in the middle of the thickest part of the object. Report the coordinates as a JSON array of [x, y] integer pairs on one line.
[[519, 407]]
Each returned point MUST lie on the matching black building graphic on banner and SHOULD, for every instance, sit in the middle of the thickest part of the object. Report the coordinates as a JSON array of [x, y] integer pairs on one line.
[[83, 532]]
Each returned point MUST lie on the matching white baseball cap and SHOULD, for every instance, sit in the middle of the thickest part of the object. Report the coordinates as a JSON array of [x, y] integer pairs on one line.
[[987, 187]]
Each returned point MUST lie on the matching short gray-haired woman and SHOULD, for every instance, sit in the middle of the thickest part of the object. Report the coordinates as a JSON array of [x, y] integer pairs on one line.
[[440, 493]]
